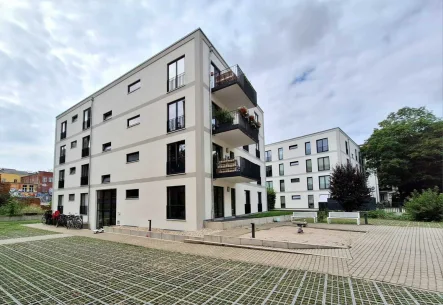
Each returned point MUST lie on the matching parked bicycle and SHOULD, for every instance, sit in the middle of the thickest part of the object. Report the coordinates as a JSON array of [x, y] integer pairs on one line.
[[69, 221]]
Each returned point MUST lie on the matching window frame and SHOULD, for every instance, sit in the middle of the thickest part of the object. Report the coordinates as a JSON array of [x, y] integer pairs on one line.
[[293, 163], [83, 202], [75, 144], [269, 184], [323, 164], [282, 183], [71, 196], [296, 197], [291, 147], [183, 100], [133, 84], [322, 145], [132, 197], [268, 153], [104, 177], [176, 73], [63, 134], [133, 154], [270, 171], [307, 167], [132, 118], [107, 116], [311, 188], [71, 171], [180, 188], [280, 153], [327, 186], [347, 147], [105, 147], [295, 180], [306, 148], [88, 120], [283, 203], [309, 203], [281, 169], [74, 118]]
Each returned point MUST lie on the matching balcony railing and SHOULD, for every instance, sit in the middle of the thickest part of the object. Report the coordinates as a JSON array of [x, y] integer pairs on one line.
[[175, 166], [60, 209], [86, 124], [247, 208], [224, 121], [84, 180], [62, 159], [176, 123], [83, 210], [85, 152], [257, 153], [268, 172], [61, 184], [63, 135], [176, 82], [238, 166], [231, 76]]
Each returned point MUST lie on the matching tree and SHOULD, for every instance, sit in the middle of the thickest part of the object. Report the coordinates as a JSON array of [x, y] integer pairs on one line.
[[348, 186], [427, 205], [271, 198], [407, 150]]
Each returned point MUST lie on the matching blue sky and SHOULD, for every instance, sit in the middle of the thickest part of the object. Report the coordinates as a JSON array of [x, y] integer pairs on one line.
[[315, 64]]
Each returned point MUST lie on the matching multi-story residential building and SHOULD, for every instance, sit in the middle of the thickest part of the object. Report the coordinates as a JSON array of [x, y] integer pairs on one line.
[[40, 182], [298, 169], [165, 142]]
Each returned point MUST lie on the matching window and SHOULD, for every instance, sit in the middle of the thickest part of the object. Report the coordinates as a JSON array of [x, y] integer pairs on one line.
[[281, 169], [61, 179], [322, 145], [356, 155], [323, 182], [134, 86], [268, 156], [45, 179], [282, 185], [87, 118], [215, 72], [295, 180], [176, 115], [85, 146], [106, 178], [132, 157], [256, 116], [15, 180], [257, 149], [134, 121], [132, 194], [62, 154], [176, 74], [84, 174], [347, 160], [293, 163], [106, 147], [323, 164], [31, 188], [347, 147], [259, 205], [107, 115], [74, 118], [282, 202], [296, 197], [73, 144], [176, 202], [60, 204], [307, 148], [176, 156], [268, 170], [308, 165], [63, 130], [280, 153], [24, 187], [310, 182], [246, 147], [71, 197], [311, 201], [84, 204], [72, 171], [269, 185], [293, 147], [50, 179]]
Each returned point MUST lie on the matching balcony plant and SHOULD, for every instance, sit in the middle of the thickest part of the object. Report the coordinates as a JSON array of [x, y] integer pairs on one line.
[[223, 116], [243, 111], [255, 125]]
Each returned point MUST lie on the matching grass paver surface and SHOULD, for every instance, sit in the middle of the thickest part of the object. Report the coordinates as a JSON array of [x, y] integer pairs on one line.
[[9, 229], [80, 270]]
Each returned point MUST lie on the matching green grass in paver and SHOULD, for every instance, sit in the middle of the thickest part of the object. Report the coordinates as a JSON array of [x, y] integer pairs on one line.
[[269, 214], [78, 270], [15, 229]]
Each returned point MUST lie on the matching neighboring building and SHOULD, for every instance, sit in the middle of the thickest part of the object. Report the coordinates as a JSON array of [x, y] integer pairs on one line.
[[299, 169], [159, 144], [40, 182], [11, 175], [373, 184]]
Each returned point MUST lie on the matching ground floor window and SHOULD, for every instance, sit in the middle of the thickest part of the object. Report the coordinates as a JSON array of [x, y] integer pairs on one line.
[[84, 204], [176, 208], [311, 201], [260, 206], [283, 202]]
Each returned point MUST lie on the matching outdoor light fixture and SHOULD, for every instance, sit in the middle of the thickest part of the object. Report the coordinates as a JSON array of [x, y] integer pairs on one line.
[[229, 189]]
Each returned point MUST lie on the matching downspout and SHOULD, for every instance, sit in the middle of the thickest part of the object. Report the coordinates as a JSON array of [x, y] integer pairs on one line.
[[90, 168], [210, 132]]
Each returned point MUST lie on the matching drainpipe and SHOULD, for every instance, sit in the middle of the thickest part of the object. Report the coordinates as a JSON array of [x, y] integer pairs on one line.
[[90, 168], [210, 130]]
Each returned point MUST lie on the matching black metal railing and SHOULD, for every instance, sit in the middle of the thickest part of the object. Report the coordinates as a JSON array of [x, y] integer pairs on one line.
[[84, 180], [83, 210], [176, 166], [62, 159], [247, 208], [60, 209], [234, 75], [257, 153], [85, 152], [223, 121], [176, 123], [61, 184], [238, 166], [63, 135], [260, 207], [176, 82], [268, 172], [86, 124]]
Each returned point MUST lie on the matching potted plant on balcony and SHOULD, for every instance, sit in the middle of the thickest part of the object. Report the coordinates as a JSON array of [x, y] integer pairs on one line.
[[256, 125], [223, 116], [243, 111]]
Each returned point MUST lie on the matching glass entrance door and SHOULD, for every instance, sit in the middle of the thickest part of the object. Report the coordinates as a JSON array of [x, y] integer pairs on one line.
[[233, 202], [218, 202], [106, 208]]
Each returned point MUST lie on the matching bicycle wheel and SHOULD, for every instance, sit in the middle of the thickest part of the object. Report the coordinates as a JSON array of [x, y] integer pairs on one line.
[[43, 219], [78, 224]]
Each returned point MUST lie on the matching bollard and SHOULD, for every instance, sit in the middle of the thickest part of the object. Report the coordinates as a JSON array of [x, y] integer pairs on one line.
[[366, 218], [253, 230], [149, 225]]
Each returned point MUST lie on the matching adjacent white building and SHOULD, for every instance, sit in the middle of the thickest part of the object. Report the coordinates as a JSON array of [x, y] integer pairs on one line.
[[298, 169], [164, 142]]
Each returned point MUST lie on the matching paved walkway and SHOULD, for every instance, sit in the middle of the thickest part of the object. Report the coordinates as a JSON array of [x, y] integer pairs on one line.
[[410, 256], [31, 238]]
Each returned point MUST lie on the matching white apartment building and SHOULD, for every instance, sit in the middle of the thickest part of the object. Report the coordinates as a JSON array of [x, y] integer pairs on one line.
[[299, 169], [164, 142]]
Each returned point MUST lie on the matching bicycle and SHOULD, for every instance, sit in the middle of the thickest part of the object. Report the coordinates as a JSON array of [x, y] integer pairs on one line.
[[74, 221]]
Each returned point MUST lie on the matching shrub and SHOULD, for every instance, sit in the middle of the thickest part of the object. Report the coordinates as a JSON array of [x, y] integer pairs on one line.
[[271, 199], [32, 209], [427, 205], [223, 116], [11, 208]]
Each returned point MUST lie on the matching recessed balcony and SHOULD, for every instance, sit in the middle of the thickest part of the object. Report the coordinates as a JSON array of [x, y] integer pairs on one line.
[[233, 89], [236, 170], [235, 128]]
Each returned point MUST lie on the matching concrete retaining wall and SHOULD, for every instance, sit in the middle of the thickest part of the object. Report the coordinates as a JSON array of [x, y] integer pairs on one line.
[[156, 235], [242, 222], [21, 218]]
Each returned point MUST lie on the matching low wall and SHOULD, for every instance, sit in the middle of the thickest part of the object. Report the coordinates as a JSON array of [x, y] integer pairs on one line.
[[156, 235], [21, 218], [243, 222]]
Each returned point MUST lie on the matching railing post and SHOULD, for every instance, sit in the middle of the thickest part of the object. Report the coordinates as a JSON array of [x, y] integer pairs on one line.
[[253, 229], [366, 218], [149, 225]]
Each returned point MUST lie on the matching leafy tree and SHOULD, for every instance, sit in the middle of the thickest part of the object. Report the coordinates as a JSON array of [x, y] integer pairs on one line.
[[349, 187], [407, 150], [271, 198], [427, 205]]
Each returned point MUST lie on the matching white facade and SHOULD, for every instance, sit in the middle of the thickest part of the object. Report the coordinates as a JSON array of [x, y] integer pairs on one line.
[[171, 95], [327, 149]]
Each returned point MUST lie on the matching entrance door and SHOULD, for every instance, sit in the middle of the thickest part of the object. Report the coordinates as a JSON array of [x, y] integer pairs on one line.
[[106, 208], [233, 202], [218, 202], [248, 202]]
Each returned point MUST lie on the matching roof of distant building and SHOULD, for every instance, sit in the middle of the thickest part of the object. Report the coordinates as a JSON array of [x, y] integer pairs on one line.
[[14, 171]]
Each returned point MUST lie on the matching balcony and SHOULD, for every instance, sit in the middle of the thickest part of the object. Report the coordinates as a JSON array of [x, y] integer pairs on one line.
[[234, 128], [61, 184], [175, 166], [85, 152], [236, 170], [62, 159], [233, 88], [176, 82], [84, 180], [175, 124]]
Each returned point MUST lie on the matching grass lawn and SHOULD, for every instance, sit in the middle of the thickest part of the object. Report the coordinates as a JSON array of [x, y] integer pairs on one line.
[[15, 229], [269, 214]]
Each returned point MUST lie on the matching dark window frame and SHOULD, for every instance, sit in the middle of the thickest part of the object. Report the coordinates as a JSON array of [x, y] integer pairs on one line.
[[104, 177], [135, 153], [63, 134], [176, 158], [319, 182], [86, 122], [83, 205], [307, 167], [183, 124], [322, 161], [293, 163], [322, 146], [75, 146], [282, 183], [71, 171], [132, 84], [306, 148], [295, 180], [176, 73], [281, 169], [283, 203], [293, 197], [311, 205], [134, 117], [246, 148], [107, 115], [132, 193], [269, 171], [74, 118], [71, 196], [268, 155], [291, 147], [105, 146], [169, 206], [311, 188], [280, 153], [347, 147]]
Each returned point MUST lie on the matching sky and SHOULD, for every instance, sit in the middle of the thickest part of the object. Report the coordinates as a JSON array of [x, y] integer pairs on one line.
[[314, 64]]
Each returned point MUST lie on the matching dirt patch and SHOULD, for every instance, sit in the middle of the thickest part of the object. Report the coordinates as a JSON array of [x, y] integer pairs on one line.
[[310, 236]]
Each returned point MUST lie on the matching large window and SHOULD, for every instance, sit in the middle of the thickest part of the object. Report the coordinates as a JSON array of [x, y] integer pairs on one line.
[[310, 182], [280, 153], [323, 182], [347, 147], [282, 185], [176, 74], [62, 154], [308, 165], [134, 86], [268, 170], [84, 204], [176, 158], [84, 178], [322, 145], [176, 202], [307, 148], [63, 130], [60, 204], [87, 118], [85, 146], [268, 156], [132, 157], [323, 164], [311, 201], [132, 194], [269, 185], [281, 169], [282, 202], [61, 179], [135, 120], [176, 115]]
